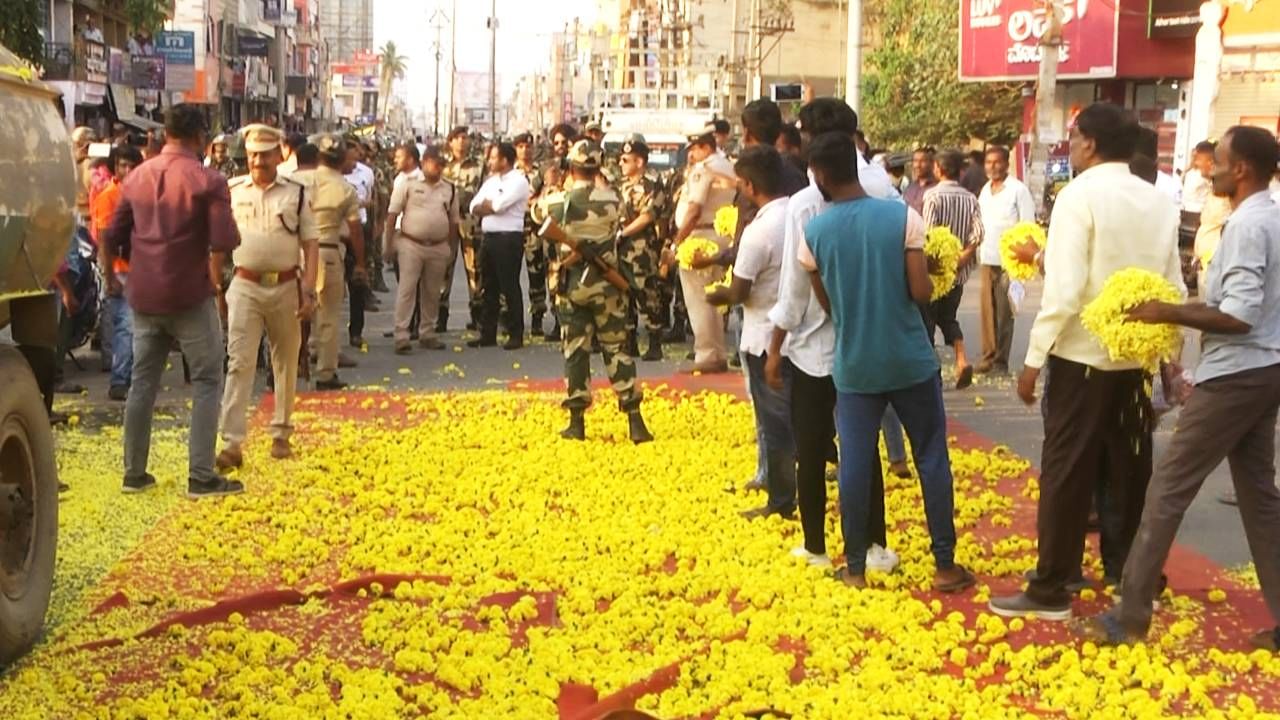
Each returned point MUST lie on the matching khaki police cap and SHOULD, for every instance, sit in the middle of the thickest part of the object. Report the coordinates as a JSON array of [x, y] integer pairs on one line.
[[705, 136], [330, 144], [585, 154], [261, 138]]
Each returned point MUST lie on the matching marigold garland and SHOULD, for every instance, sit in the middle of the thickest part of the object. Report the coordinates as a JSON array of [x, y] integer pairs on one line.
[[1016, 235], [943, 246], [692, 247], [726, 222], [724, 282], [1106, 317]]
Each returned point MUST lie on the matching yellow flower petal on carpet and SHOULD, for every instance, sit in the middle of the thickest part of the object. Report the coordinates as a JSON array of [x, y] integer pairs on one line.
[[1106, 317]]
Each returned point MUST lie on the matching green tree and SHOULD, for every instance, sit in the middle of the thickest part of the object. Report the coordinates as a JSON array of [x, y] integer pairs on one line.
[[393, 68], [146, 16], [911, 88], [20, 29]]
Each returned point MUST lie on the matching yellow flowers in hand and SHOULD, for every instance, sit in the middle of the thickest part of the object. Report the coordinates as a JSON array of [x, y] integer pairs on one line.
[[691, 248], [1014, 236], [1107, 318], [943, 247], [726, 223]]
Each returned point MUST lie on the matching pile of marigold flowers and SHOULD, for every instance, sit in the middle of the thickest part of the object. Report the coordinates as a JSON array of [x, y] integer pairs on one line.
[[1106, 317], [528, 564], [1014, 236], [944, 248]]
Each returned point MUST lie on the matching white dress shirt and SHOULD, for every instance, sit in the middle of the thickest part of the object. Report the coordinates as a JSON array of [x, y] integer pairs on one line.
[[1104, 221], [363, 180], [509, 196], [1195, 191], [1001, 211], [1170, 186], [759, 260], [811, 336]]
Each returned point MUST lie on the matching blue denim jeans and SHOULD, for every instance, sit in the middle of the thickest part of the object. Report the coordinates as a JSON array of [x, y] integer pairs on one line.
[[858, 417], [894, 445], [121, 319], [773, 424]]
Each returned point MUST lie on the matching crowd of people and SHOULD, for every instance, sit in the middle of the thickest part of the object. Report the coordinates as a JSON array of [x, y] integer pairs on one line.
[[829, 279]]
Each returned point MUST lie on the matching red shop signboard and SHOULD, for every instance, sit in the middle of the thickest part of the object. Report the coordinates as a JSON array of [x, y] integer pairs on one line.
[[1000, 39]]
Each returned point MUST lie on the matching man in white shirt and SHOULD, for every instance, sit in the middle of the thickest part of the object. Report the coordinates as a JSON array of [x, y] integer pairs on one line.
[[1097, 410], [501, 204], [756, 272], [803, 346], [361, 177], [1004, 202]]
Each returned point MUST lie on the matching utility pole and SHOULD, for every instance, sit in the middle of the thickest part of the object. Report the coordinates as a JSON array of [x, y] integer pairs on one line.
[[453, 66], [437, 22], [853, 58], [1050, 45], [493, 67]]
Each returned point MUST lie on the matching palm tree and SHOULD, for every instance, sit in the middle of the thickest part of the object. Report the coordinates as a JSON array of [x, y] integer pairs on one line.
[[393, 67]]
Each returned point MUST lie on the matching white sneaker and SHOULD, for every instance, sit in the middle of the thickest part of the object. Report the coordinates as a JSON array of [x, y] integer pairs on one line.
[[819, 561], [881, 559]]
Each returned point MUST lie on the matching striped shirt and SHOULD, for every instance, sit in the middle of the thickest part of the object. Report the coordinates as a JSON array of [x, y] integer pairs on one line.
[[949, 204]]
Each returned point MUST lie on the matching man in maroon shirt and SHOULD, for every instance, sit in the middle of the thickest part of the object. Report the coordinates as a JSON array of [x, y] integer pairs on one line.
[[174, 226]]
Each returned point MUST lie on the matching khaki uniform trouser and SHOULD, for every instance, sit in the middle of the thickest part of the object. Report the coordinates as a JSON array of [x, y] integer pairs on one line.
[[251, 309], [707, 322], [331, 291], [422, 272]]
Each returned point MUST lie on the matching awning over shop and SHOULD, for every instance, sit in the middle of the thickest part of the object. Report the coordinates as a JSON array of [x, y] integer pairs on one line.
[[124, 104]]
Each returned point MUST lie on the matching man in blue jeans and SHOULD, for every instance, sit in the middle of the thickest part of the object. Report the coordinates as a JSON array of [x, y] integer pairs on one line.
[[866, 262], [756, 272]]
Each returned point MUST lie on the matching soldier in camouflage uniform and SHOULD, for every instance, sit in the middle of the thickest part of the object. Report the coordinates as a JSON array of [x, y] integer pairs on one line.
[[589, 306], [639, 247], [535, 257], [384, 174], [464, 172], [672, 295], [562, 137], [220, 158]]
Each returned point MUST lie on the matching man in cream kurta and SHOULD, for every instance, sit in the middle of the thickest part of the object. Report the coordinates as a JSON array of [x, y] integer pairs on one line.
[[268, 292]]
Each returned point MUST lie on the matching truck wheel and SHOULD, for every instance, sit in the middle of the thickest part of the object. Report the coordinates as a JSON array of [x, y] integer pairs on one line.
[[28, 508]]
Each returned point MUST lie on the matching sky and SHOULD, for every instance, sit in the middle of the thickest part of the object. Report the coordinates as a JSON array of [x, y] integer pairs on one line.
[[524, 37]]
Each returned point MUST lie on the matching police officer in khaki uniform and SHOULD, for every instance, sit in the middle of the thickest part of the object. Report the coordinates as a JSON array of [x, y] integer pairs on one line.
[[268, 292], [334, 206], [427, 207]]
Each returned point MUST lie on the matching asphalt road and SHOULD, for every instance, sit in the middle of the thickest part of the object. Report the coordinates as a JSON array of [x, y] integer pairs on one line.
[[1210, 527]]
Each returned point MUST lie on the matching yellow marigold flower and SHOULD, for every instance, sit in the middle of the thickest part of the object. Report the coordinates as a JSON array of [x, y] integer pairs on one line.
[[692, 248], [943, 246], [1217, 595], [1106, 317], [726, 222], [1017, 235]]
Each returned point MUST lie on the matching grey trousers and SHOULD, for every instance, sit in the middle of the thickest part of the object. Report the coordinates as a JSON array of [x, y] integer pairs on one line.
[[1233, 418], [198, 333]]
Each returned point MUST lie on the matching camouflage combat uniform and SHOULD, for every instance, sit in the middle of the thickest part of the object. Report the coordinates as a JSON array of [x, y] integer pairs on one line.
[[588, 305], [228, 168], [384, 175], [640, 254], [535, 256], [549, 252], [465, 175]]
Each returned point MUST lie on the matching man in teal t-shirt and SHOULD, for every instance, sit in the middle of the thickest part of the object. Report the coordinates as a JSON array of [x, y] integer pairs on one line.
[[866, 259]]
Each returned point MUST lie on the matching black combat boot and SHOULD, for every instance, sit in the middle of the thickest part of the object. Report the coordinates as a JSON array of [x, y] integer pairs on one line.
[[554, 333], [577, 428], [633, 344], [639, 433], [535, 326], [655, 347]]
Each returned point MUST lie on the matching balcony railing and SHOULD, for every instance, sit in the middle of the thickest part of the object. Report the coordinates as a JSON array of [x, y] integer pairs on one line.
[[83, 60]]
